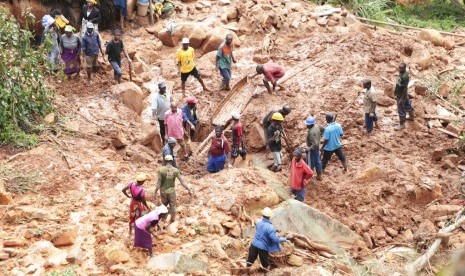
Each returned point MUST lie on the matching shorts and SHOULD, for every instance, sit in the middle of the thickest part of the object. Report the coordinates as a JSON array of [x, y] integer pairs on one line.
[[237, 150], [277, 156], [169, 200], [91, 61], [194, 73]]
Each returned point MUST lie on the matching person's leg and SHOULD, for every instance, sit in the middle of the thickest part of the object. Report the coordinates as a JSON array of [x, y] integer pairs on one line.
[[182, 143], [228, 79], [161, 123], [279, 160], [184, 77], [402, 114], [368, 123], [89, 68], [253, 254], [326, 157], [408, 108], [116, 71], [211, 164], [234, 153], [375, 120], [267, 85], [264, 258], [164, 200], [223, 74], [341, 157], [172, 209], [196, 75], [316, 157]]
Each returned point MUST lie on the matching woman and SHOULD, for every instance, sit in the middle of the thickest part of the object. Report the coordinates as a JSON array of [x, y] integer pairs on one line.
[[51, 34], [138, 206], [70, 46], [90, 13], [142, 233]]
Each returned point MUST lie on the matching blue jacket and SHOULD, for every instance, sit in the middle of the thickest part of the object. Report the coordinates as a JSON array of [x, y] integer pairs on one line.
[[91, 44], [187, 115], [265, 236]]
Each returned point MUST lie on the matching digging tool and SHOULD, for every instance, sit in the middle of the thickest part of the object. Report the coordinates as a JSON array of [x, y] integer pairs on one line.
[[130, 71]]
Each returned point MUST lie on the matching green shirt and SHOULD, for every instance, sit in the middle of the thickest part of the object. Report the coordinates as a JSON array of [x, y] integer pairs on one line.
[[402, 85], [224, 56], [314, 136], [168, 177]]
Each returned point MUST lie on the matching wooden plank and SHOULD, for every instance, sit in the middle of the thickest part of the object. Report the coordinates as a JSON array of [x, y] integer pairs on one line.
[[444, 118], [448, 133]]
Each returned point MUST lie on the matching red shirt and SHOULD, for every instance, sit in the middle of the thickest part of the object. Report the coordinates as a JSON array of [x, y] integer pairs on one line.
[[273, 71], [237, 134], [300, 172], [219, 146]]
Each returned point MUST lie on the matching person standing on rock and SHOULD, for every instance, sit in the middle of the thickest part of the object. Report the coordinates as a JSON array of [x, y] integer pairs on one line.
[[265, 241], [218, 153], [143, 233], [274, 135], [168, 149], [314, 134], [89, 14], [271, 72], [369, 106], [237, 138], [224, 59], [404, 105], [113, 50], [166, 179], [186, 66], [285, 110], [332, 143], [189, 116], [138, 205], [91, 44], [160, 106], [299, 175], [174, 126]]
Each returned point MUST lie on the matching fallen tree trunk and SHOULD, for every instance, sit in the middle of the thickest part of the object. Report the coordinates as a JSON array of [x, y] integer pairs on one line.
[[311, 245]]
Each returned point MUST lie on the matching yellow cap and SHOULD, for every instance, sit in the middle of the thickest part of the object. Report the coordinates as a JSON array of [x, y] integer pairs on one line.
[[169, 157], [141, 177], [277, 116]]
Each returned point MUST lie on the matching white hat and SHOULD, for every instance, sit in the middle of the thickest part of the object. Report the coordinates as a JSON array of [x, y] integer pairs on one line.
[[185, 40], [267, 212], [161, 209], [141, 176], [235, 115], [47, 20], [89, 25], [169, 157]]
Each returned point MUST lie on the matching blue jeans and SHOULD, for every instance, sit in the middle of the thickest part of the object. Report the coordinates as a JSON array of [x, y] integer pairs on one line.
[[369, 121], [226, 74], [299, 194], [404, 105], [216, 164], [313, 157], [116, 68]]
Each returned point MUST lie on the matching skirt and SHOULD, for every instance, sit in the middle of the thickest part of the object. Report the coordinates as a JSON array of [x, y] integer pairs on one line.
[[71, 60], [136, 210], [142, 238]]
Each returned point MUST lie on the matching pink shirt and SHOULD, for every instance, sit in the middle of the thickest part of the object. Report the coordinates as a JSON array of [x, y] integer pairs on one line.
[[142, 222], [135, 190], [300, 173], [273, 71], [173, 122]]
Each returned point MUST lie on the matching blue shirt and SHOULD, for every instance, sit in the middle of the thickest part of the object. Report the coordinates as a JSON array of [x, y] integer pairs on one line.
[[332, 134], [167, 150], [265, 236], [91, 44], [187, 115]]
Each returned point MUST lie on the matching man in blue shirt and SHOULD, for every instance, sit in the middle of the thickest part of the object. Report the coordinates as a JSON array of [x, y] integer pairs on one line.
[[265, 241], [189, 116], [168, 149], [91, 44], [332, 143]]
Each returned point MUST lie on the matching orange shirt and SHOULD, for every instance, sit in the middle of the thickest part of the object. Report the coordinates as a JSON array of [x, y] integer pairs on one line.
[[300, 173]]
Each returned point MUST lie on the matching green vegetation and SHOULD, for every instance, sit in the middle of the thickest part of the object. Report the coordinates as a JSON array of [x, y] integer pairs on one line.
[[24, 98], [66, 272], [372, 9]]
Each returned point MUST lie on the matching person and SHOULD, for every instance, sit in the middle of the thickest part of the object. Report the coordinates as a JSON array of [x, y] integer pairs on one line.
[[160, 106], [113, 50], [166, 179], [314, 135], [265, 241], [285, 110], [91, 44], [189, 116], [186, 66], [271, 72], [168, 149], [369, 106], [332, 142], [70, 47], [274, 135], [299, 175], [143, 229], [218, 153], [174, 126], [50, 35], [237, 138], [224, 59], [404, 105], [138, 205], [89, 14]]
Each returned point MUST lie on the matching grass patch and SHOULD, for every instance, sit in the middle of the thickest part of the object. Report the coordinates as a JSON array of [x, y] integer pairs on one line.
[[372, 9], [19, 182], [69, 271]]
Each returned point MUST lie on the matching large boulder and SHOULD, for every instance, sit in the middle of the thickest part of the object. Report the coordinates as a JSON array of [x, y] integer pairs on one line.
[[177, 262], [147, 133], [372, 173], [197, 37], [421, 56], [432, 36], [131, 95], [256, 137], [216, 37], [65, 237], [117, 253], [167, 39]]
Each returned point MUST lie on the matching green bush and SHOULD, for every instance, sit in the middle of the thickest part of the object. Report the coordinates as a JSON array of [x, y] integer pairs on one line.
[[372, 9], [24, 98]]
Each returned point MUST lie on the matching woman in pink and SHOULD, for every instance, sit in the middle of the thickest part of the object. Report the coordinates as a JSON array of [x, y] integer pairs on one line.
[[142, 232], [138, 206]]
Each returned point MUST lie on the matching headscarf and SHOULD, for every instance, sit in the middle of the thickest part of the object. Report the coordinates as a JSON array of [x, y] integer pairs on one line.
[[47, 20]]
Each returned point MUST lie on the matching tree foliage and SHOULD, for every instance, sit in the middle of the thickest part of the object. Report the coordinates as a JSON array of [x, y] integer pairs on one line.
[[24, 97]]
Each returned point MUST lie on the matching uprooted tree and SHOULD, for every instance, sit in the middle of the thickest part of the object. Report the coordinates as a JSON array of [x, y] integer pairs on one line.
[[24, 97]]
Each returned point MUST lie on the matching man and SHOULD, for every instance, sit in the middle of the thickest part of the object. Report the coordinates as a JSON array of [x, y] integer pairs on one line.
[[237, 138], [224, 58], [90, 46], [265, 241], [174, 128], [300, 173], [285, 110], [369, 106], [274, 135], [113, 50], [168, 149], [189, 116], [160, 106], [218, 153], [89, 14], [332, 143], [403, 102], [166, 179], [186, 67], [271, 72], [314, 134]]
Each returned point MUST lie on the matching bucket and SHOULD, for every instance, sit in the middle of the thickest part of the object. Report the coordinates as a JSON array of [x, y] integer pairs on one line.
[[142, 7], [131, 5], [61, 21]]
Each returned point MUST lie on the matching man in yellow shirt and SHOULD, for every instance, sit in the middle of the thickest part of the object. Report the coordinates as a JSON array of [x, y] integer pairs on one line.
[[186, 67]]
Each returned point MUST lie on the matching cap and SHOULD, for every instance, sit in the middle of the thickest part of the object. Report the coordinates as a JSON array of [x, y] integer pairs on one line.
[[310, 121], [191, 100], [169, 157], [277, 117], [162, 84], [69, 29], [185, 40], [89, 25], [171, 140], [161, 209], [141, 176], [235, 115], [267, 212]]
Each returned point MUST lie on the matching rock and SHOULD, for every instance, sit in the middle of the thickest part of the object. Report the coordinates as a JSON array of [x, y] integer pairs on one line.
[[152, 30], [5, 198], [75, 255], [378, 233], [65, 237], [445, 90], [453, 128], [371, 174], [367, 238], [449, 44], [442, 210], [385, 101], [332, 23], [191, 221], [119, 140], [408, 235], [421, 56], [216, 37], [4, 256], [148, 133], [117, 253], [13, 243], [232, 14], [43, 247], [447, 164], [256, 137], [118, 269], [235, 232], [425, 195], [50, 118], [217, 250], [295, 260], [437, 154], [432, 36], [167, 39], [261, 59], [131, 95], [172, 229], [197, 37], [420, 89], [322, 21], [224, 2], [229, 224], [454, 158], [177, 261], [391, 232], [426, 227]]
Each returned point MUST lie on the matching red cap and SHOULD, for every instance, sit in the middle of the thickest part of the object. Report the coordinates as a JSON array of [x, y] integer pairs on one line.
[[191, 100]]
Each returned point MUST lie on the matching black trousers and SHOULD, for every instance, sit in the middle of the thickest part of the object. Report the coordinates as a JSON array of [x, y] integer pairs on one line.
[[255, 252], [327, 156], [162, 129]]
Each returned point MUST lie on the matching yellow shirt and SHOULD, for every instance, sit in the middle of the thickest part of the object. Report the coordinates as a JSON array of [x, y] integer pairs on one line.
[[186, 58]]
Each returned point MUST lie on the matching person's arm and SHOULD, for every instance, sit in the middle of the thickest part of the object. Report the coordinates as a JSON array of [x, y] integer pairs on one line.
[[324, 145], [232, 56], [145, 203], [157, 188], [124, 190], [97, 16], [217, 61], [185, 116], [178, 62], [79, 44], [100, 46], [108, 48], [373, 104], [285, 138], [148, 227], [227, 150], [184, 184], [126, 54], [274, 237], [81, 16], [308, 172], [84, 45]]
